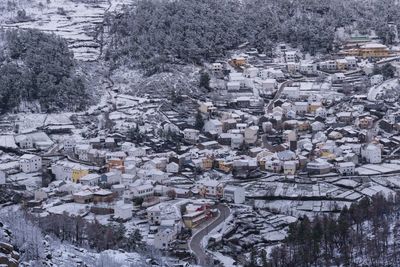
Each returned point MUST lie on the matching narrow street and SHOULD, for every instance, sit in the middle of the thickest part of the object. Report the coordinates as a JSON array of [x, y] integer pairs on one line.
[[195, 243]]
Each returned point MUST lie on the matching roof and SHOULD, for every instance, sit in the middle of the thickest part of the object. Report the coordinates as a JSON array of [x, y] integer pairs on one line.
[[373, 46], [28, 156]]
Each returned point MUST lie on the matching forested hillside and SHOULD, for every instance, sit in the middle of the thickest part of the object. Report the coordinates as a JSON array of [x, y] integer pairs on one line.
[[158, 32], [366, 234], [35, 66]]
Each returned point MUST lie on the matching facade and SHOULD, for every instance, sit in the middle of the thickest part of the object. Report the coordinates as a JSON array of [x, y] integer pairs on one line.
[[234, 194], [30, 163], [191, 135], [346, 168]]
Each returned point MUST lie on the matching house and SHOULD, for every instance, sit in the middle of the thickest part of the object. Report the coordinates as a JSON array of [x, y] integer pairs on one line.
[[103, 195], [172, 167], [251, 134], [351, 62], [82, 150], [164, 238], [141, 191], [191, 135], [289, 167], [90, 179], [338, 77], [318, 167], [210, 188], [113, 177], [251, 72], [307, 67], [301, 107], [83, 197], [137, 152], [207, 107], [69, 171], [69, 145], [213, 125], [236, 141], [345, 168], [233, 86], [239, 61], [122, 210], [235, 194], [290, 56], [269, 85], [291, 92], [30, 163], [328, 65], [24, 141], [372, 153], [217, 67]]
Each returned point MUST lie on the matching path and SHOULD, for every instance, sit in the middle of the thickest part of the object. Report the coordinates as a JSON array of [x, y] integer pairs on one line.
[[195, 243]]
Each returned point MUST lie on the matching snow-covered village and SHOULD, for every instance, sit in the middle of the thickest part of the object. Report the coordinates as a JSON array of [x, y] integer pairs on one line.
[[199, 133]]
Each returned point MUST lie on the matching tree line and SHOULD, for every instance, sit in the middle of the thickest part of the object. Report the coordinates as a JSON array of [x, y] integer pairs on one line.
[[366, 234], [94, 235], [35, 66], [155, 33]]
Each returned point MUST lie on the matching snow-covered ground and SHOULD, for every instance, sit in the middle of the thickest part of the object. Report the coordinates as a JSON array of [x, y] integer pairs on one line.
[[75, 21], [380, 89]]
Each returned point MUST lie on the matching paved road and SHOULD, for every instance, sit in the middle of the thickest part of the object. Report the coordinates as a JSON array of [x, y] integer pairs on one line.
[[278, 94], [195, 243]]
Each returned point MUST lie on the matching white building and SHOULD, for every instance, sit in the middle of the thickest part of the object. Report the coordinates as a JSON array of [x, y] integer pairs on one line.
[[172, 167], [233, 86], [191, 135], [289, 167], [69, 145], [90, 179], [82, 151], [122, 210], [372, 153], [269, 84], [207, 107], [217, 67], [212, 188], [24, 141], [30, 163], [251, 134], [142, 191], [234, 194], [346, 168], [251, 72], [291, 92], [236, 141], [301, 107], [291, 56], [213, 125], [164, 238], [137, 152], [338, 77]]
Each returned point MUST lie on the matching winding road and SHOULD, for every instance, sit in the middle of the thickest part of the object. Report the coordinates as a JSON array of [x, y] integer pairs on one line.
[[195, 243]]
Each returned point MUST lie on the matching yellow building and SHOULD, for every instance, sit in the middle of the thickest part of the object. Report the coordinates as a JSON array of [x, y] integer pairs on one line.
[[341, 64], [239, 61], [314, 106], [373, 50], [77, 174], [225, 166], [207, 163]]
